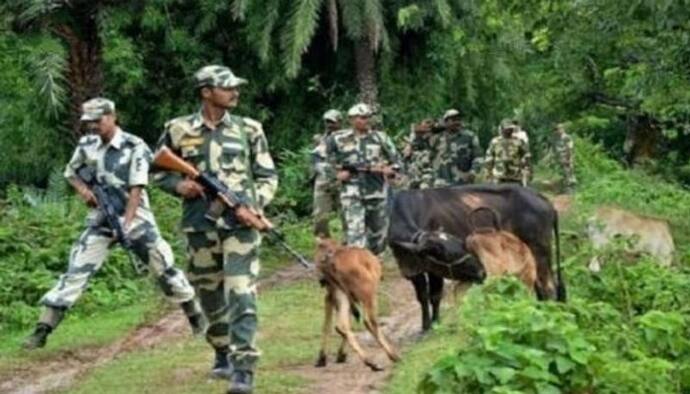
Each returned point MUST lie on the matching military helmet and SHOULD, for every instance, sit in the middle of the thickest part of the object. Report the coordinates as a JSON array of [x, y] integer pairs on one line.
[[333, 115], [451, 113], [360, 109], [95, 108], [217, 76]]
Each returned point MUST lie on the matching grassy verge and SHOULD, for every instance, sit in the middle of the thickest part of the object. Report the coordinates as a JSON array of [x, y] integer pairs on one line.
[[289, 335]]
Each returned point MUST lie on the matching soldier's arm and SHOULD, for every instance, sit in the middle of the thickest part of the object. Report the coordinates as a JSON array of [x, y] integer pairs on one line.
[[393, 157], [167, 180], [526, 160], [138, 180], [476, 155], [489, 160], [70, 173], [263, 169], [320, 161]]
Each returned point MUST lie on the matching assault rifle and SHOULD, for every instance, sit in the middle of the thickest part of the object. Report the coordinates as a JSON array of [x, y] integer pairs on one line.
[[167, 160], [361, 167], [111, 206]]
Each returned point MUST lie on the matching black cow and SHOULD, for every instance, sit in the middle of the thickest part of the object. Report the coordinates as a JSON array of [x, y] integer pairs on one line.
[[428, 230]]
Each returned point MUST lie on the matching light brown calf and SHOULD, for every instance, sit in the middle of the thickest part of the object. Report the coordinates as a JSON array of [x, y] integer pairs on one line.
[[502, 253], [351, 277]]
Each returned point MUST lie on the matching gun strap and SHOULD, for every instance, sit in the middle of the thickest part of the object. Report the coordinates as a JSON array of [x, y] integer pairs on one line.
[[250, 175]]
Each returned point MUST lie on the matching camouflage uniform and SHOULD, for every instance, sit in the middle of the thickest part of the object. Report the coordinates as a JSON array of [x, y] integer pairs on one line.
[[563, 149], [418, 160], [457, 155], [223, 254], [363, 196], [507, 160], [120, 164], [325, 188]]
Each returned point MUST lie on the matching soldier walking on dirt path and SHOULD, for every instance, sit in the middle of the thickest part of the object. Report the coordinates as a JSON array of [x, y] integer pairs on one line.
[[562, 146], [457, 154], [364, 160], [119, 162], [325, 186], [223, 248], [507, 159]]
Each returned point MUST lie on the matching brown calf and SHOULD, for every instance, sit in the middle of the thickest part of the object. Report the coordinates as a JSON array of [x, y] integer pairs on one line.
[[502, 253], [351, 277]]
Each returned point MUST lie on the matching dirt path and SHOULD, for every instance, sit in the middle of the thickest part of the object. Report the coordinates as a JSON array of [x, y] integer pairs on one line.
[[66, 368], [401, 327]]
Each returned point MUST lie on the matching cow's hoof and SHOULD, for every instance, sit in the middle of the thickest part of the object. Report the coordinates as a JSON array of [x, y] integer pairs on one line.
[[321, 361], [374, 367], [341, 358]]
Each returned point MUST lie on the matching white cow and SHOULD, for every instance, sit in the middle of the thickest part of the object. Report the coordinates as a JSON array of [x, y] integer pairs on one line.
[[652, 236]]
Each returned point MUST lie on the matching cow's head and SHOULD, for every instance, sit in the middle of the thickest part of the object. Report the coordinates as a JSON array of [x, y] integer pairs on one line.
[[445, 249]]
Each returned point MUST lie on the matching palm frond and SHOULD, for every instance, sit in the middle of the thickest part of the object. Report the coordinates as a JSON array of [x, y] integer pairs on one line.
[[444, 12], [48, 69], [352, 12], [373, 17], [33, 10], [264, 23], [239, 9], [298, 33]]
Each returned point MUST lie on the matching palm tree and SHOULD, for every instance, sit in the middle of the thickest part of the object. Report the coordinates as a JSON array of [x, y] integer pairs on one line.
[[76, 23]]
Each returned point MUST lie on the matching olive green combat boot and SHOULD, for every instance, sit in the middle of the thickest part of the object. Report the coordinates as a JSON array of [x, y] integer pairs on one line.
[[38, 338]]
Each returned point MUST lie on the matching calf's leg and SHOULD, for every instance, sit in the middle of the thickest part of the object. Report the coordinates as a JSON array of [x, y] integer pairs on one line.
[[373, 326], [343, 328], [328, 305]]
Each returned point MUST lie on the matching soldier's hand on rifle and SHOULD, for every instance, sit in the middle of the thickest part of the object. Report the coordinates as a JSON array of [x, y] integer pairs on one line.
[[189, 189], [343, 175], [251, 219], [87, 195]]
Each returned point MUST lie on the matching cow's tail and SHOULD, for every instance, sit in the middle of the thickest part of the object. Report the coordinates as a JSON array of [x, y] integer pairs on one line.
[[560, 286]]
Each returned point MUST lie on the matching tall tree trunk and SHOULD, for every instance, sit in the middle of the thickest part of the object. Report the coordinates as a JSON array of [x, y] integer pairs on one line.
[[365, 61], [85, 62]]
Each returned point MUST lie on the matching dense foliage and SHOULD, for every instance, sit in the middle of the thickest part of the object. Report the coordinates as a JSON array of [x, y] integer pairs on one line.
[[617, 70]]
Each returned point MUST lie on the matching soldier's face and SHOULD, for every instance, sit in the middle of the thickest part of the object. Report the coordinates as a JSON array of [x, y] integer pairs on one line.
[[453, 123], [360, 122], [226, 98], [507, 131], [104, 127], [332, 126]]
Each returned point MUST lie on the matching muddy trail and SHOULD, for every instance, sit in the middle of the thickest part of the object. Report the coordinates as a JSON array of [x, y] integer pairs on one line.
[[401, 327], [66, 368]]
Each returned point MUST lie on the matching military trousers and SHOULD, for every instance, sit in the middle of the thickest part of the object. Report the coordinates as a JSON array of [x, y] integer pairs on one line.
[[90, 251], [366, 222], [223, 268], [326, 201], [568, 173]]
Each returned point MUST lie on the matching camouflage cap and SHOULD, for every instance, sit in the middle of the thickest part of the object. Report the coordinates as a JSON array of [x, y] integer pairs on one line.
[[451, 113], [508, 124], [217, 76], [95, 108], [360, 109], [333, 115]]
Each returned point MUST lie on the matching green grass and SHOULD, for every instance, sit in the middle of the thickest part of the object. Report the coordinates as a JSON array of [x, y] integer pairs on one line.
[[101, 328], [290, 321]]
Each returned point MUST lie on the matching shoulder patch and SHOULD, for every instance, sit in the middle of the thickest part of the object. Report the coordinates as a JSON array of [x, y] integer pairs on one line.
[[252, 124], [178, 127]]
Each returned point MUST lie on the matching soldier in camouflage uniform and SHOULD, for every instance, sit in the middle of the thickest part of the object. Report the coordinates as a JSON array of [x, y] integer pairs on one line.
[[417, 155], [325, 188], [223, 249], [364, 159], [507, 159], [120, 162], [458, 156], [563, 149]]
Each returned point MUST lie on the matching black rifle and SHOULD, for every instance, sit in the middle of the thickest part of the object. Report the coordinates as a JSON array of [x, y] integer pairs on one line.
[[167, 160], [112, 205]]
